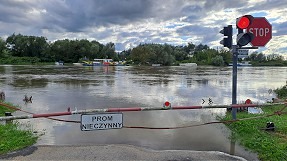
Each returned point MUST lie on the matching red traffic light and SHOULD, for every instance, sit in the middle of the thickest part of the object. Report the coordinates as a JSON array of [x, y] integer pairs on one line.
[[244, 21]]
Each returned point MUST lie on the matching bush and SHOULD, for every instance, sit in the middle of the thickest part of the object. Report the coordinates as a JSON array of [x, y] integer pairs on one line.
[[20, 60], [281, 92], [217, 61]]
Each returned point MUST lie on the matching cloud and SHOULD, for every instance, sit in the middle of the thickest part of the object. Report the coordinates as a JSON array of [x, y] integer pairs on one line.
[[128, 23]]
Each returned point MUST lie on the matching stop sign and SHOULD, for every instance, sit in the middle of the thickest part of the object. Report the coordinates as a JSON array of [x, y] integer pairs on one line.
[[262, 31]]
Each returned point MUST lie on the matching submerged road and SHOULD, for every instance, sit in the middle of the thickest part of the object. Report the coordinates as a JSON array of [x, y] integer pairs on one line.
[[114, 152]]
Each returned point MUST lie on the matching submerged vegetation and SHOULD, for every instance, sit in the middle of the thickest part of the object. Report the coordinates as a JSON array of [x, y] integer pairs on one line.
[[12, 137]]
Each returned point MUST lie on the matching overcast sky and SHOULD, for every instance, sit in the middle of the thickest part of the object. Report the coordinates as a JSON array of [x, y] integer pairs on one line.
[[128, 23]]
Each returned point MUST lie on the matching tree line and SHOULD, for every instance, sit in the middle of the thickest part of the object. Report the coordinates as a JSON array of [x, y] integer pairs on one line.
[[33, 49], [65, 50], [166, 54], [259, 59]]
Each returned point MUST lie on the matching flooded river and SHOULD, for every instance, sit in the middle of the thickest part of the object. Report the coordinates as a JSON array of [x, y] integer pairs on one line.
[[55, 88]]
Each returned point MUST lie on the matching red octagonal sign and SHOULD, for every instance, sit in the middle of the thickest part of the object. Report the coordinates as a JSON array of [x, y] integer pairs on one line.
[[262, 31]]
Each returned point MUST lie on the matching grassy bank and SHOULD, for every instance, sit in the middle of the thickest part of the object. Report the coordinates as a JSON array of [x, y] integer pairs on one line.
[[12, 138], [252, 133]]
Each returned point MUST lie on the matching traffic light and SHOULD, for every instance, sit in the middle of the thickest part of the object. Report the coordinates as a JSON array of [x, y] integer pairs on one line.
[[243, 38], [227, 41]]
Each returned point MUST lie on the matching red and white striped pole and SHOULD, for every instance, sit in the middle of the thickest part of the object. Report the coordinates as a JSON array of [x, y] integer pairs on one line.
[[130, 109], [7, 118]]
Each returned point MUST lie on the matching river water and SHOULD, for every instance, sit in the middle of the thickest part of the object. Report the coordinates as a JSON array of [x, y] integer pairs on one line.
[[55, 88]]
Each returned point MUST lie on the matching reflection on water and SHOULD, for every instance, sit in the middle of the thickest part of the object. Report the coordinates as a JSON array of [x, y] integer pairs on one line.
[[29, 82], [55, 88]]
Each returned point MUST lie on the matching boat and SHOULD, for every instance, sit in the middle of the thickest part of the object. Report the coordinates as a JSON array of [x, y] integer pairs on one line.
[[87, 63], [121, 63], [188, 64], [78, 64], [59, 63], [103, 62], [241, 64], [100, 62]]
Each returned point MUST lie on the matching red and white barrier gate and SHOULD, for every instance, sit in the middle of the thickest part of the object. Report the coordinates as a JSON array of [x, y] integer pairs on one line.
[[104, 110]]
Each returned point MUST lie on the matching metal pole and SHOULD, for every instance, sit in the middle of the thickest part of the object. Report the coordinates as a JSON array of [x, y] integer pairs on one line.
[[234, 79], [232, 143]]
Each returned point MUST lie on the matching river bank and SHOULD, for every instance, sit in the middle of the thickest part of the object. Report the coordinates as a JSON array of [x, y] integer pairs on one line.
[[265, 133], [12, 137], [253, 133]]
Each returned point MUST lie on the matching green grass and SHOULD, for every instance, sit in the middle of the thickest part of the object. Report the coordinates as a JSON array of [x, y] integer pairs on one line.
[[3, 110], [270, 146], [12, 137]]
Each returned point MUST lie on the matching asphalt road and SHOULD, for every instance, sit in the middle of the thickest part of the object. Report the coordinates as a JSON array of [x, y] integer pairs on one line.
[[114, 152]]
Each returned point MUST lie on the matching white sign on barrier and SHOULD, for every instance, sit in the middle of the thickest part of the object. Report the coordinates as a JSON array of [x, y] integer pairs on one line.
[[101, 121]]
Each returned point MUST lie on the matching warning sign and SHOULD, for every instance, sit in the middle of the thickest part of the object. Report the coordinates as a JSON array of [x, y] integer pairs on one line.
[[101, 121]]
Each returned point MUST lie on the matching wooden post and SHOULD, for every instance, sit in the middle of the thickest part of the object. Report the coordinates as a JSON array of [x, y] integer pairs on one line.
[[2, 96]]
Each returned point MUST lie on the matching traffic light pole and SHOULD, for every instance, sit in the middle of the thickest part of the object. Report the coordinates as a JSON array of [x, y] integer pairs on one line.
[[242, 39], [234, 79], [234, 76]]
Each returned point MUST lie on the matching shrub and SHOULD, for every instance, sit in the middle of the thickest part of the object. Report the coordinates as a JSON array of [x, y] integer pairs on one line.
[[281, 92], [217, 61], [20, 60]]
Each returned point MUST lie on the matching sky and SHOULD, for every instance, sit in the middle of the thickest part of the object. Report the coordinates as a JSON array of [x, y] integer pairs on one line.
[[128, 23]]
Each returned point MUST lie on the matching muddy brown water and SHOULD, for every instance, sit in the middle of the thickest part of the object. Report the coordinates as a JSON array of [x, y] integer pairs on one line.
[[55, 88]]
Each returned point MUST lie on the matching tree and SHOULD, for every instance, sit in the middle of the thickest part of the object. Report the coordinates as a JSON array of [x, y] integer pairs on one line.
[[153, 54], [274, 57], [217, 60], [141, 54], [180, 53], [226, 55], [75, 50], [29, 46], [94, 50], [2, 47], [253, 56], [109, 51], [60, 50], [204, 56], [201, 47], [190, 48], [66, 50], [260, 57], [125, 55]]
